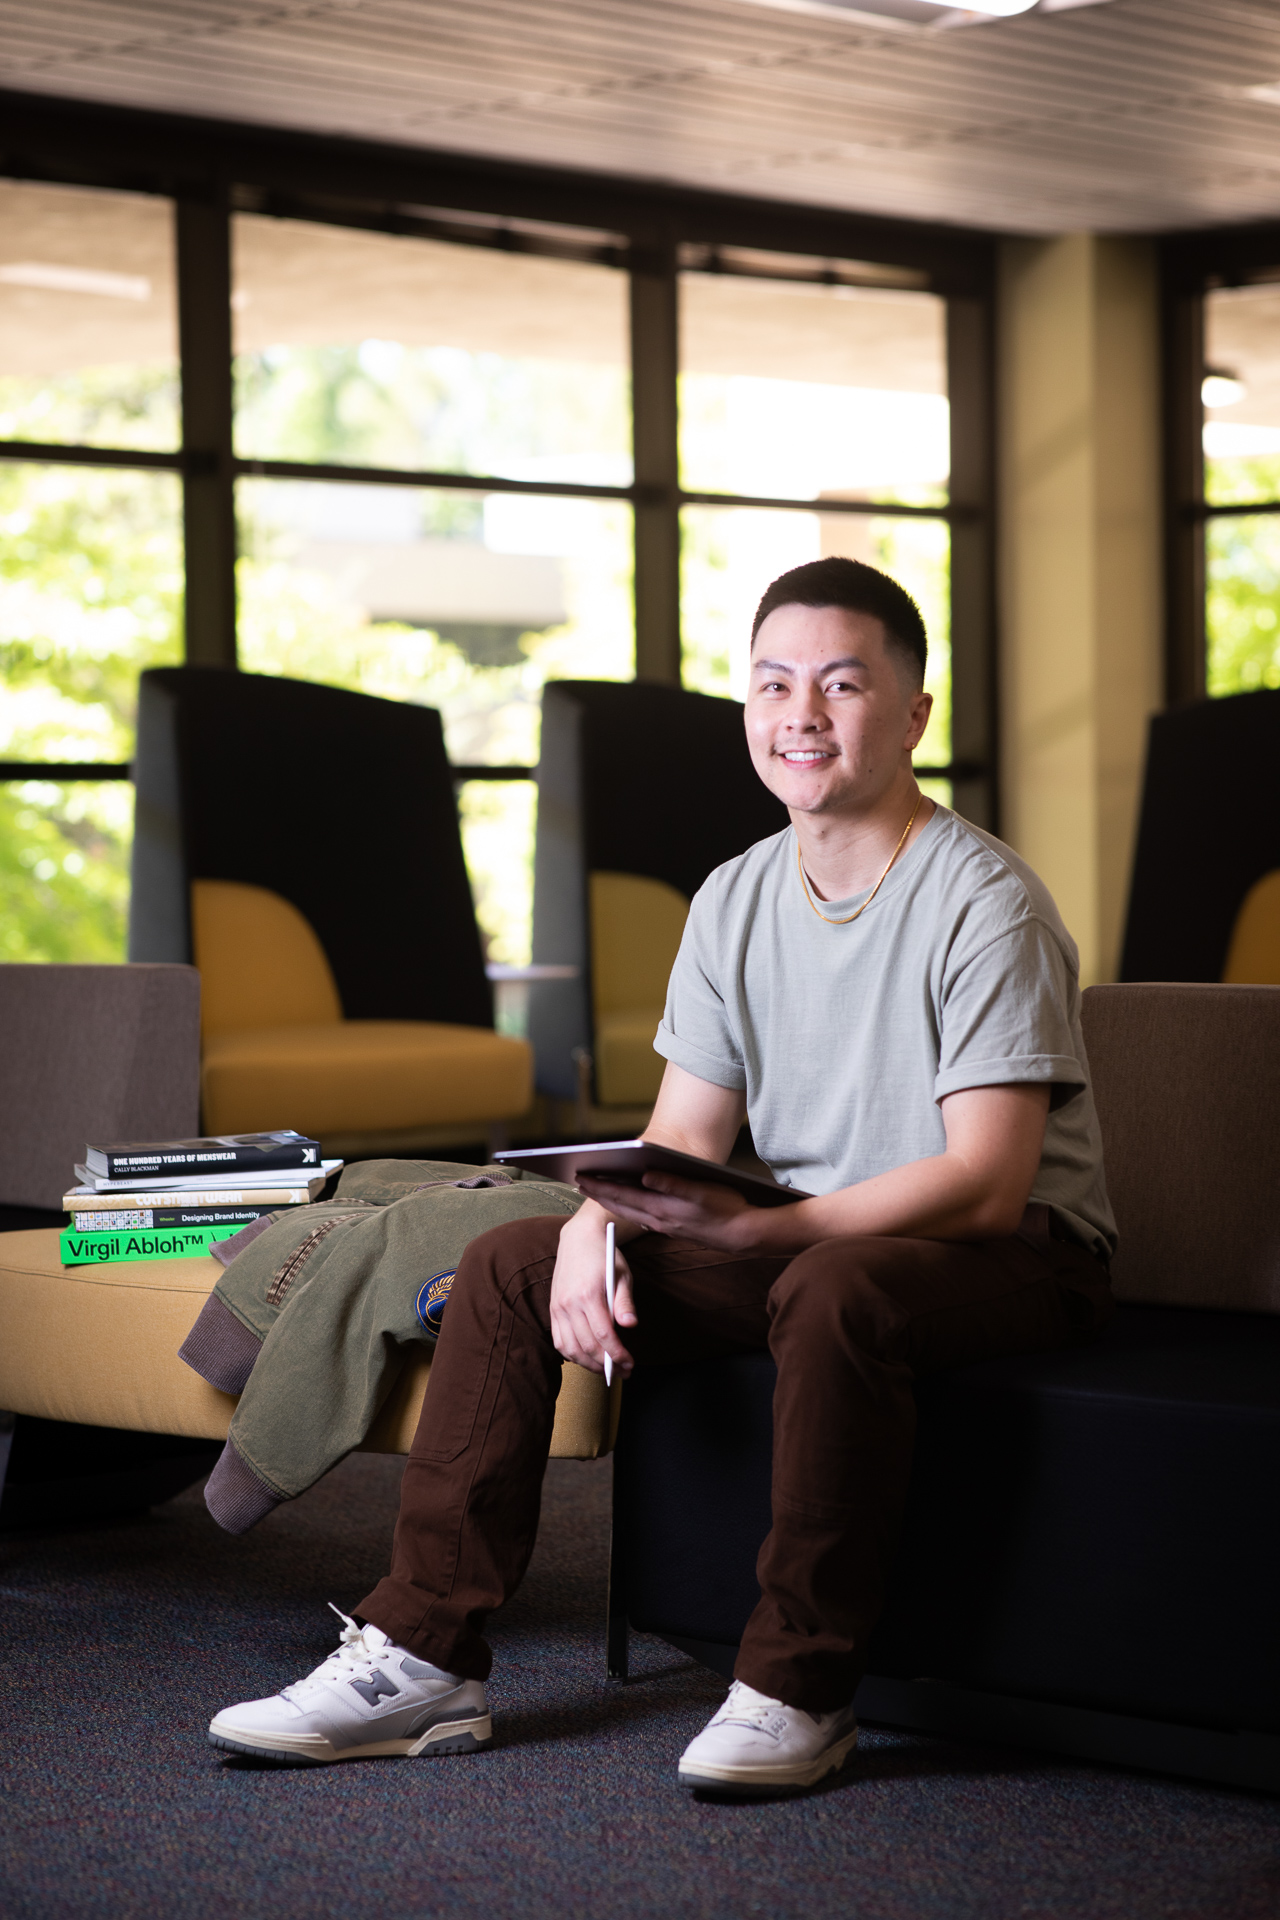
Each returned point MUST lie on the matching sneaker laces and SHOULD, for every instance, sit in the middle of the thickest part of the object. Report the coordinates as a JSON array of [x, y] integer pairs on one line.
[[759, 1713], [352, 1658]]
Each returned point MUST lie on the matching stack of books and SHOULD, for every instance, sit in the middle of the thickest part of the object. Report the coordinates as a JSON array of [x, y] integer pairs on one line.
[[162, 1199]]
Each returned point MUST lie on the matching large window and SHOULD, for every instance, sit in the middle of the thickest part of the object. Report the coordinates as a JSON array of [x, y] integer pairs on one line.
[[1221, 377], [382, 351], [1241, 394], [368, 351], [90, 549], [804, 386], [401, 445], [88, 318]]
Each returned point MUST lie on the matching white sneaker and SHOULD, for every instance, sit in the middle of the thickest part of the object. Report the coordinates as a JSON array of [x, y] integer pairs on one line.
[[755, 1743], [369, 1697]]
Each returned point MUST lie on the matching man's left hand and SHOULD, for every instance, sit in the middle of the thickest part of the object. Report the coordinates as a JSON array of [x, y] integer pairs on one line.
[[714, 1216]]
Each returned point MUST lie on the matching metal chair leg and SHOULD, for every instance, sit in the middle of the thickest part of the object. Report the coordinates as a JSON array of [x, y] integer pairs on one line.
[[7, 1421], [617, 1626]]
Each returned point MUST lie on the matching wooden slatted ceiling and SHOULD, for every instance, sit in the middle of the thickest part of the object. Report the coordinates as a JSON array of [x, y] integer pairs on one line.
[[1132, 115]]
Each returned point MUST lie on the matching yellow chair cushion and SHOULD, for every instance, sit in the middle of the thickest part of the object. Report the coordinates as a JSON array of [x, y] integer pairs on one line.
[[628, 1071], [636, 928], [260, 962], [99, 1346], [1253, 958], [362, 1075]]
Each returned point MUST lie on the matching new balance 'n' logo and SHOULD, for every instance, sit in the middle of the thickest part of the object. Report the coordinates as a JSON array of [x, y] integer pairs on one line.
[[372, 1690]]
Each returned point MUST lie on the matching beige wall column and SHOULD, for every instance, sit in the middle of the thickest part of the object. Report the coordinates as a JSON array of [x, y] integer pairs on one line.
[[1080, 575]]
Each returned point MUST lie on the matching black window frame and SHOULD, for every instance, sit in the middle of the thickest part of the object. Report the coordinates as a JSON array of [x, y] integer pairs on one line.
[[211, 170]]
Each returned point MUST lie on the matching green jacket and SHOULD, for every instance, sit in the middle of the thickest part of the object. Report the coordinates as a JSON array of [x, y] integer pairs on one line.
[[317, 1313]]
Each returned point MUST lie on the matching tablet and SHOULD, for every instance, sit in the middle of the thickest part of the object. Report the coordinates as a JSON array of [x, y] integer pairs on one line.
[[629, 1160]]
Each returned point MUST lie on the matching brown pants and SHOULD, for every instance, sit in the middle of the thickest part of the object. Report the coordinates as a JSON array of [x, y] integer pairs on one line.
[[851, 1323]]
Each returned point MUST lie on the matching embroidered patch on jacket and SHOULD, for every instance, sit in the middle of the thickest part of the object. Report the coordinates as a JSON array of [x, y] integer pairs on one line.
[[431, 1300]]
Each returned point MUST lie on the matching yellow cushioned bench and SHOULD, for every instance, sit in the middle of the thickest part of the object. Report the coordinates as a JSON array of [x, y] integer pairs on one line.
[[99, 1346]]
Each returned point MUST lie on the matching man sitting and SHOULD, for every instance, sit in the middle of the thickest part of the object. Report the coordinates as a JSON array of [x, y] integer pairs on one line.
[[890, 998]]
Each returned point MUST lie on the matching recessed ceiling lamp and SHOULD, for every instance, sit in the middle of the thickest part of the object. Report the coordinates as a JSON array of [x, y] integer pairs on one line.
[[922, 13], [1221, 388]]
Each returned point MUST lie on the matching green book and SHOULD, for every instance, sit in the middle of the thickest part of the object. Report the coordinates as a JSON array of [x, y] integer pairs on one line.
[[162, 1243]]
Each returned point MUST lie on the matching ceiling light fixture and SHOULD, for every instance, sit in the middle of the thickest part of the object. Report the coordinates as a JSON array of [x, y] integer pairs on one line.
[[908, 14], [50, 278], [1220, 388]]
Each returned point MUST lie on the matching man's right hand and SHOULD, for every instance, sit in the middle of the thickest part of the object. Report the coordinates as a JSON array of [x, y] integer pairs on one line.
[[580, 1323]]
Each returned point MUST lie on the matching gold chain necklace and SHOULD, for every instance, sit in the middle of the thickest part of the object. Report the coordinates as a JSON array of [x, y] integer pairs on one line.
[[844, 920]]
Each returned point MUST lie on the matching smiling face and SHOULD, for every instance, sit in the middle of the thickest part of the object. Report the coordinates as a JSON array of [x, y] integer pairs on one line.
[[832, 713]]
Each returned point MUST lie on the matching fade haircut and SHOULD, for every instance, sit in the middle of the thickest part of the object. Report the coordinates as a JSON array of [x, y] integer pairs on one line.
[[858, 588]]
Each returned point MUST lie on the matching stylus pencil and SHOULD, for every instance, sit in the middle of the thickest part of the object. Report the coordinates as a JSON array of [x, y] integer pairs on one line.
[[610, 1240]]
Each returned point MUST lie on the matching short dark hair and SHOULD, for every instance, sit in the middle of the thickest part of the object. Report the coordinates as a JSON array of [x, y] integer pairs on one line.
[[859, 589]]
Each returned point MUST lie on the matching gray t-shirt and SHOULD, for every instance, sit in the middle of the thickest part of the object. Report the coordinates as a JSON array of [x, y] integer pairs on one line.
[[844, 1038]]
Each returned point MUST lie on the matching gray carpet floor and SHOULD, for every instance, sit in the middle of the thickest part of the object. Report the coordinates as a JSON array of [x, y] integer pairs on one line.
[[119, 1643]]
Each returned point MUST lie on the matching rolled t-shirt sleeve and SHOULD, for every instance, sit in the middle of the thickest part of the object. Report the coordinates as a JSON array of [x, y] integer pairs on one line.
[[1006, 1017], [696, 1031]]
